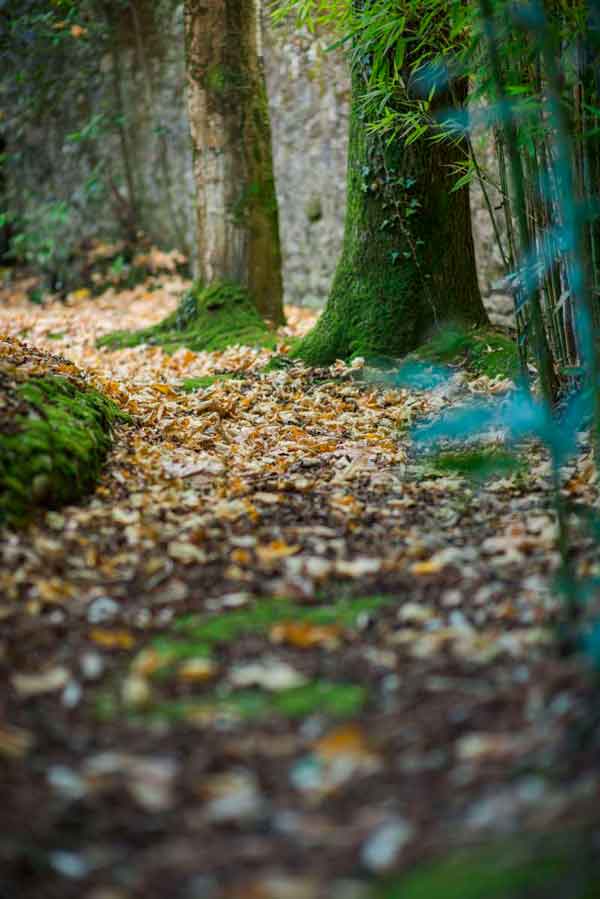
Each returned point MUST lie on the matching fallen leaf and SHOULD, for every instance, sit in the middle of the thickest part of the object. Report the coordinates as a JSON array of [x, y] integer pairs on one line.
[[275, 550], [305, 635], [42, 682], [112, 639], [270, 674]]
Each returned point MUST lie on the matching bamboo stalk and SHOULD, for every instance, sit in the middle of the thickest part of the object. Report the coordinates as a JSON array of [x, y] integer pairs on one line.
[[541, 348]]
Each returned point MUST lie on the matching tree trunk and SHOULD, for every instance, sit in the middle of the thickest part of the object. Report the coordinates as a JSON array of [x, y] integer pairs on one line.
[[237, 220], [408, 262]]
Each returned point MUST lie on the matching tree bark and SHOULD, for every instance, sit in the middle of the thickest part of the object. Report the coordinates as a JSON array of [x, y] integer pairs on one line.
[[237, 219], [408, 262]]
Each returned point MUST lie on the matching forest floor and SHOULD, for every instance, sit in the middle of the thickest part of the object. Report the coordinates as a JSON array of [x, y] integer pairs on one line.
[[277, 654]]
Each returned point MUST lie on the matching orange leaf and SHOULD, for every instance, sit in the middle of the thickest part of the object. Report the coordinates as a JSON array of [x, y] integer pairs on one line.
[[348, 740], [77, 31], [276, 549], [305, 635], [241, 557]]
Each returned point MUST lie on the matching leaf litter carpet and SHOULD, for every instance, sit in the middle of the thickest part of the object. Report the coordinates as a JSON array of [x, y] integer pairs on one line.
[[276, 654]]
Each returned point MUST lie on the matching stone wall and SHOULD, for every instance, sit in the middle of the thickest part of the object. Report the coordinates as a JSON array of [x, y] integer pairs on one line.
[[309, 96], [88, 176]]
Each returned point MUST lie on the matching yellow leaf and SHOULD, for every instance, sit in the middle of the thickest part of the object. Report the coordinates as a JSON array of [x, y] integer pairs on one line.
[[430, 566], [197, 670], [164, 389], [54, 589], [83, 293], [117, 639]]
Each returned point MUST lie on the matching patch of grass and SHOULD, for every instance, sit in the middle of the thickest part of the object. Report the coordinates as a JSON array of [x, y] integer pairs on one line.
[[279, 363], [55, 335], [481, 351], [507, 871], [477, 464], [195, 636], [192, 384], [207, 318], [52, 450], [339, 700], [336, 699], [261, 615]]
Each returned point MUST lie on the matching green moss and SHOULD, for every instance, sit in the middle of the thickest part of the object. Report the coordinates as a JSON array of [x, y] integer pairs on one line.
[[258, 618], [335, 699], [338, 700], [208, 318], [192, 384], [506, 871], [481, 351], [52, 450], [478, 464], [198, 636], [281, 362], [407, 261], [313, 209]]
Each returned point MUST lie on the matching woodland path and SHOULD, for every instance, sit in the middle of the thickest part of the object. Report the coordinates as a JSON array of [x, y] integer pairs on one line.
[[275, 654]]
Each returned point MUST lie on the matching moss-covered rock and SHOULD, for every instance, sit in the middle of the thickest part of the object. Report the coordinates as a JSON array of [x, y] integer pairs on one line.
[[207, 318], [54, 435]]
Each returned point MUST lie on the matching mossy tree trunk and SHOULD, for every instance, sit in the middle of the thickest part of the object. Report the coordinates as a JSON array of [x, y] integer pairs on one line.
[[408, 262], [237, 220]]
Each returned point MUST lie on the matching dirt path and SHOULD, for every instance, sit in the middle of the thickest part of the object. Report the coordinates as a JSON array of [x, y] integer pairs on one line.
[[276, 654]]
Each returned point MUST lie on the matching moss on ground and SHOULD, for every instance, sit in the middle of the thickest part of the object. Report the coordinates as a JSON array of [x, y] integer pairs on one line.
[[477, 464], [207, 318], [52, 444], [506, 871], [197, 637], [336, 699], [259, 617], [481, 351], [192, 384]]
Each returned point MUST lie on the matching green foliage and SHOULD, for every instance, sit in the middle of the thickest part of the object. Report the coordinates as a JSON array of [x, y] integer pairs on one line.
[[52, 62], [506, 871], [192, 384], [208, 318], [260, 617], [40, 240], [481, 351], [52, 453], [477, 464], [335, 699], [200, 636]]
